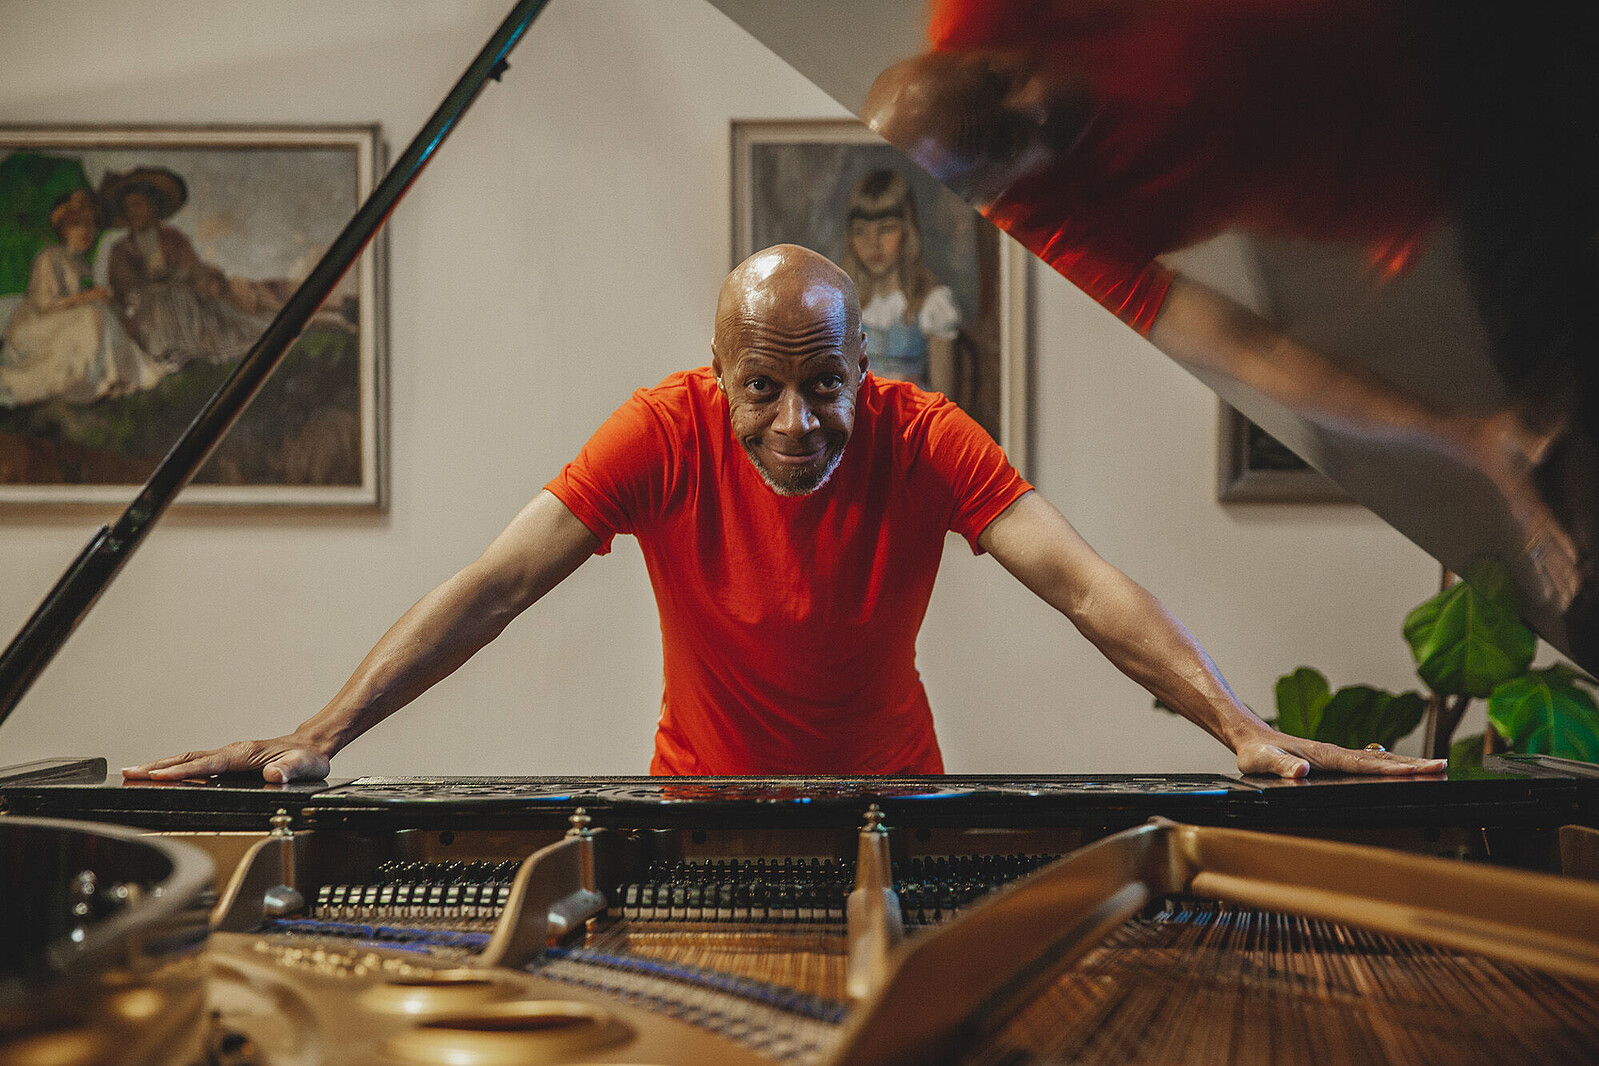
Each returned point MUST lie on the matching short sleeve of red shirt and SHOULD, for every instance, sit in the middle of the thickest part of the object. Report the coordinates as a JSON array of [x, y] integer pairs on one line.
[[979, 478], [955, 24], [623, 473], [1130, 286]]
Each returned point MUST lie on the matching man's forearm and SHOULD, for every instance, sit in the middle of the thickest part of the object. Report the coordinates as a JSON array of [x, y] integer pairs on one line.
[[1148, 644], [430, 641], [445, 628], [1143, 639]]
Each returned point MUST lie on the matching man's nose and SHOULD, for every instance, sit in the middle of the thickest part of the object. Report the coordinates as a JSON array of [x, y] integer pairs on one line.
[[794, 415]]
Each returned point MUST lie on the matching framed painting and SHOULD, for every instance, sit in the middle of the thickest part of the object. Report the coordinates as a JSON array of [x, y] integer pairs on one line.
[[1257, 467], [138, 265], [943, 292]]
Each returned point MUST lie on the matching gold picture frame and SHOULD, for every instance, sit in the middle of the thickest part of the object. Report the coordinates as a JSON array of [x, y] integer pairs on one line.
[[95, 386]]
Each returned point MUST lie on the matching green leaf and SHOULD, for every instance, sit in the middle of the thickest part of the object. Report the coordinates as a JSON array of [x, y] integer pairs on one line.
[[1466, 753], [1545, 712], [1490, 578], [30, 184], [1301, 696], [1467, 639], [1359, 715]]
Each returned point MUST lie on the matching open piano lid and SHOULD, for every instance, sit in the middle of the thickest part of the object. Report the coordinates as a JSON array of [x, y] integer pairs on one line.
[[1409, 183], [1410, 186]]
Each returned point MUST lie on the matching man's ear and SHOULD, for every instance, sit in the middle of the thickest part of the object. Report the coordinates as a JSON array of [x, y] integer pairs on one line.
[[864, 361], [716, 369]]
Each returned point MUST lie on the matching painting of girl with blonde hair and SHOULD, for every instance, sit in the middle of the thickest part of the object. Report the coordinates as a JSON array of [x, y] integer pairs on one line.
[[911, 319]]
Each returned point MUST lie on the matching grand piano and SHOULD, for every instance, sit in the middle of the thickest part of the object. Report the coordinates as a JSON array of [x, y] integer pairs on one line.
[[972, 918]]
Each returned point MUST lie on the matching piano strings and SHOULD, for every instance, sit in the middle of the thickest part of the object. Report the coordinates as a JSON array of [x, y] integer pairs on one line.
[[1193, 982]]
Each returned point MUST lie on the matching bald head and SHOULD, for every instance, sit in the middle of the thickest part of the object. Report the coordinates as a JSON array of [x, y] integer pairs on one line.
[[979, 120], [789, 356], [789, 287]]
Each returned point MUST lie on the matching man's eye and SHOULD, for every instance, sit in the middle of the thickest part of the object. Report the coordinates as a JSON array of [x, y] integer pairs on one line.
[[757, 386], [829, 383]]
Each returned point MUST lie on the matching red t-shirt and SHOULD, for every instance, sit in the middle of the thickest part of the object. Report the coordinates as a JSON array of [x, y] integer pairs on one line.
[[1284, 118], [788, 623]]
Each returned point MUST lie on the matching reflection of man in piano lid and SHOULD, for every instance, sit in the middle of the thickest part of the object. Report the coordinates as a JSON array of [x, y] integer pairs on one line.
[[790, 586], [1150, 125], [1103, 133]]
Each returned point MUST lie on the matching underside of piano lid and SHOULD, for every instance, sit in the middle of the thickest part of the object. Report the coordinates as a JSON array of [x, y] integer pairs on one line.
[[1381, 214]]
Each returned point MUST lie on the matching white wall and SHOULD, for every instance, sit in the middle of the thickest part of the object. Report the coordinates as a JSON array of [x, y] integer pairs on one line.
[[565, 247]]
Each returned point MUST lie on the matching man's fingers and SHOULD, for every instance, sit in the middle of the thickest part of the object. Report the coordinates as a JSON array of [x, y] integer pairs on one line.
[[280, 760], [164, 766], [195, 766], [144, 768], [1405, 764], [236, 756], [1384, 763], [1293, 757]]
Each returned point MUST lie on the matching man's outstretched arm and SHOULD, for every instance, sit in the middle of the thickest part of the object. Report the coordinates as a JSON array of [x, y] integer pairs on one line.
[[445, 628], [1135, 632]]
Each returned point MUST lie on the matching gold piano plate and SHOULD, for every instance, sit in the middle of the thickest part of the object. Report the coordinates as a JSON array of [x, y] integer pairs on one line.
[[526, 1033], [438, 993]]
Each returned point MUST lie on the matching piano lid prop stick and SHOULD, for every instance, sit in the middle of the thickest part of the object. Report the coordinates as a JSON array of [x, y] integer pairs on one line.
[[77, 590]]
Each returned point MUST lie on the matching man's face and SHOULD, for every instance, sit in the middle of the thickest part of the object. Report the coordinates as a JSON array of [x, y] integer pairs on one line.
[[791, 368]]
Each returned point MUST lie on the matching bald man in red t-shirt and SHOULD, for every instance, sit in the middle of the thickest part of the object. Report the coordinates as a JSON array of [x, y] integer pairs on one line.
[[792, 509]]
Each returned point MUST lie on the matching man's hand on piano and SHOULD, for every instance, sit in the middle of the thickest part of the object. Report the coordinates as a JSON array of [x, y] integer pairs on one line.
[[280, 760], [1288, 756]]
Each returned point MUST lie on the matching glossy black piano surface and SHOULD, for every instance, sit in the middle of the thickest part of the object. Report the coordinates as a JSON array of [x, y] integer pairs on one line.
[[1519, 802]]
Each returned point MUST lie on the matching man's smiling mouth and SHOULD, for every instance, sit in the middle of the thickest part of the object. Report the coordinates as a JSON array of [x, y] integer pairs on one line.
[[795, 458]]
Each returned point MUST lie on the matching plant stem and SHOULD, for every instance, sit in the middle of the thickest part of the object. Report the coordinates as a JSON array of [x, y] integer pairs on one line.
[[1439, 728], [1449, 716], [1429, 730]]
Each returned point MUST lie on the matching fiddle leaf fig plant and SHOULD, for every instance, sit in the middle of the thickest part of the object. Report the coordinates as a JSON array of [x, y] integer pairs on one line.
[[1352, 717], [1468, 639], [1301, 697], [1468, 643], [1547, 711]]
